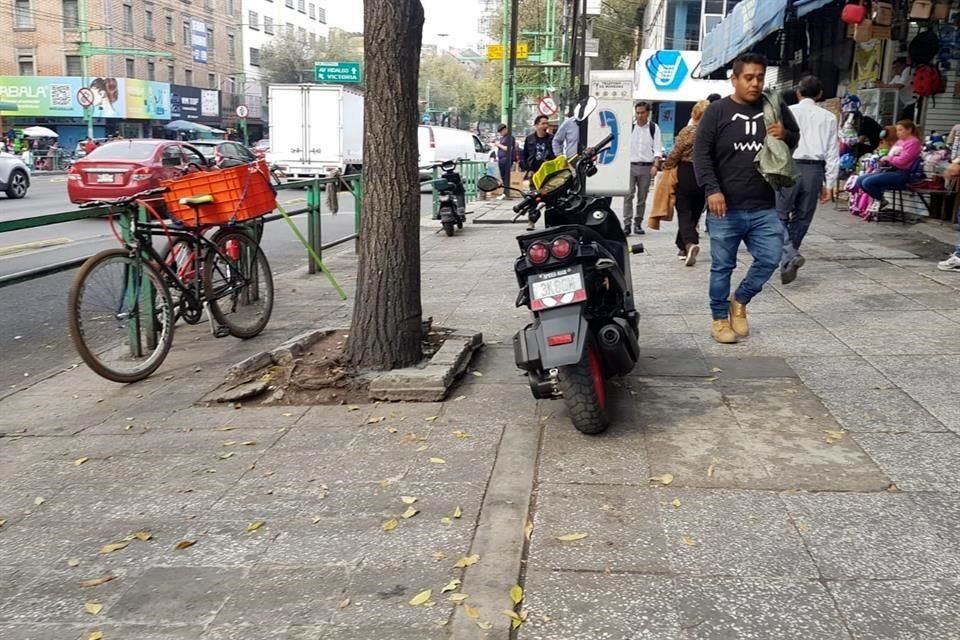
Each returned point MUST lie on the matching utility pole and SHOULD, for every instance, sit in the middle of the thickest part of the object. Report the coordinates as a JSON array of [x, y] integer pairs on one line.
[[573, 50], [514, 26], [504, 45]]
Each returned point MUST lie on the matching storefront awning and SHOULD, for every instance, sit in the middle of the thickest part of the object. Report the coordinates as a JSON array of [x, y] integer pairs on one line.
[[803, 7]]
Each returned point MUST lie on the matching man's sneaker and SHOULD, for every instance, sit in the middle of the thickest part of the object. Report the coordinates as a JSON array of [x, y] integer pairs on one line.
[[690, 259], [682, 255], [722, 332], [638, 229], [738, 318], [950, 264], [531, 226]]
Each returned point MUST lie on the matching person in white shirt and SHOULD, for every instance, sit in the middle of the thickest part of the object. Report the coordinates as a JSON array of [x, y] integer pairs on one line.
[[903, 80], [818, 160], [646, 154]]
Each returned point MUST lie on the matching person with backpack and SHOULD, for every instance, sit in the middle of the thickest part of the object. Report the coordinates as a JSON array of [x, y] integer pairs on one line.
[[646, 156]]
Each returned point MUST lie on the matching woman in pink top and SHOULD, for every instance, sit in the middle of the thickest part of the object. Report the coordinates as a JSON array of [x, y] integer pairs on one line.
[[896, 164]]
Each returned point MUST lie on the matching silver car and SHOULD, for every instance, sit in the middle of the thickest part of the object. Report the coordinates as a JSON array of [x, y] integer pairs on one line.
[[14, 176]]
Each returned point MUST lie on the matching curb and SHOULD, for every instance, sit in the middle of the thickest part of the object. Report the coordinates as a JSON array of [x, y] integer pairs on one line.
[[432, 382]]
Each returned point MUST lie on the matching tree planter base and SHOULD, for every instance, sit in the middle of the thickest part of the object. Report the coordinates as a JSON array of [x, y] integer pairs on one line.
[[309, 370]]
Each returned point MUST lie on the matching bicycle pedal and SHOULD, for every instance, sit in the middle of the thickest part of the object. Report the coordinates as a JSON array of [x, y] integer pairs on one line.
[[221, 332]]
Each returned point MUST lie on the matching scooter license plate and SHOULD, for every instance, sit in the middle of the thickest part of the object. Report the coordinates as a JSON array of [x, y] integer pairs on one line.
[[556, 289]]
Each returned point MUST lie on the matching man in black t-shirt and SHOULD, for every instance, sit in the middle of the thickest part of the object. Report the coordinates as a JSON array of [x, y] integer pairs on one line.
[[537, 149], [741, 204]]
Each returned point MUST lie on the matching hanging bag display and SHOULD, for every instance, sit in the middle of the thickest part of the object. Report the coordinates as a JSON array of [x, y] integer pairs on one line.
[[854, 13]]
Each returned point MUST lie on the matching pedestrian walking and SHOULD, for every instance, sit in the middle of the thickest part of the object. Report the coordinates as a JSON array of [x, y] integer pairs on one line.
[[537, 149], [818, 159], [689, 195], [506, 149], [742, 205], [646, 155]]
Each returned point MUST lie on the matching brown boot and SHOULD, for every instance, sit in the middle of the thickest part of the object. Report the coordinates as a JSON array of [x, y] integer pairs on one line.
[[738, 318], [722, 332]]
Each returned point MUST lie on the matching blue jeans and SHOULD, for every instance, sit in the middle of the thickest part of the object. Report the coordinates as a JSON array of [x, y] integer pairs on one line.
[[875, 184], [796, 206], [762, 232]]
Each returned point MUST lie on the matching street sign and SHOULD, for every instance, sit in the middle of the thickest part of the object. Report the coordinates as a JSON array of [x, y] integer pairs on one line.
[[591, 48], [338, 72], [547, 106], [242, 111], [85, 97], [495, 51]]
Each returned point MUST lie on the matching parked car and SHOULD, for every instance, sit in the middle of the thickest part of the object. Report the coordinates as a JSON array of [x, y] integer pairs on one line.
[[14, 176], [437, 144], [260, 148], [215, 151], [125, 167]]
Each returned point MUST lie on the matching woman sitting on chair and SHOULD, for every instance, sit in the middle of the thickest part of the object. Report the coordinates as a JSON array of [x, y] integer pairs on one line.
[[896, 166]]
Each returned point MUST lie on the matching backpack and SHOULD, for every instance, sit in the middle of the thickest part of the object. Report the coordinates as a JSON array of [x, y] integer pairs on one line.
[[650, 125], [924, 47], [927, 80]]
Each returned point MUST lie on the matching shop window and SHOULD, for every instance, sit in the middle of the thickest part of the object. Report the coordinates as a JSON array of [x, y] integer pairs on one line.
[[74, 66], [128, 18], [71, 15], [23, 14], [26, 64]]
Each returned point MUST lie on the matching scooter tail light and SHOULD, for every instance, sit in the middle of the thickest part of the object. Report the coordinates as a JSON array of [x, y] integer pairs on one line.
[[560, 339], [538, 253], [561, 248]]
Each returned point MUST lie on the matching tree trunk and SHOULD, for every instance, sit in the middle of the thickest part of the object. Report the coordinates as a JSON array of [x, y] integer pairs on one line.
[[386, 332]]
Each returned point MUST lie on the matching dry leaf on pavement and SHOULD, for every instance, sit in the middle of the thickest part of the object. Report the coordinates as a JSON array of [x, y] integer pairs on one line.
[[439, 555], [438, 461], [73, 562], [96, 582], [93, 608], [143, 536], [467, 561], [185, 544], [390, 524], [253, 526], [316, 519], [226, 456], [376, 420], [116, 546], [572, 537], [451, 586], [528, 529], [248, 443], [472, 612], [39, 500], [421, 598], [94, 635], [463, 435], [516, 594], [676, 503], [409, 513], [344, 603], [80, 461], [457, 597], [458, 512], [665, 479], [408, 499], [486, 626], [687, 540]]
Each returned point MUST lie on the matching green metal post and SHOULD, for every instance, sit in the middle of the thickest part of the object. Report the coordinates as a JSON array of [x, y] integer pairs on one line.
[[83, 29], [314, 234], [505, 46], [149, 295]]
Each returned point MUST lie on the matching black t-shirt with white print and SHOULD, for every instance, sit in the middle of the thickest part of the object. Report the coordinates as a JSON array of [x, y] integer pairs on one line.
[[728, 139]]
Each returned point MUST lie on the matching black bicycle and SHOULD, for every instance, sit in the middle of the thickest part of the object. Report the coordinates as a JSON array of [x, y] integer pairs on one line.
[[121, 310]]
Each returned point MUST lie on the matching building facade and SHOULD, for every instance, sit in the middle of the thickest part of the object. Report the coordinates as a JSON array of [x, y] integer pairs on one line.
[[682, 24]]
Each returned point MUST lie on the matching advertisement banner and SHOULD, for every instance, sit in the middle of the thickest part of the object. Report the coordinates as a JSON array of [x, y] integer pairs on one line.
[[195, 105], [666, 75], [198, 35], [614, 114], [147, 100]]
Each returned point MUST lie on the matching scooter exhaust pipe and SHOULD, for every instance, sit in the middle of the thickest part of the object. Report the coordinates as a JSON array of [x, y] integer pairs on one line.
[[615, 349]]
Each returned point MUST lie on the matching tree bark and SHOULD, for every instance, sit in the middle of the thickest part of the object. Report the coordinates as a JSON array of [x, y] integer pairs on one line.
[[386, 332]]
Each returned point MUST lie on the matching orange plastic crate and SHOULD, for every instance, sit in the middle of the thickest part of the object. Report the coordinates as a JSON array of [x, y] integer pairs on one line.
[[239, 193]]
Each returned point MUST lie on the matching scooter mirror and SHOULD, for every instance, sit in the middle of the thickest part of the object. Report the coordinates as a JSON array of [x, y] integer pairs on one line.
[[585, 109], [488, 184]]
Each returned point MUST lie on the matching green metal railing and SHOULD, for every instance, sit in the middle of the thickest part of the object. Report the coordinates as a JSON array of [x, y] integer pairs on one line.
[[470, 172], [313, 243]]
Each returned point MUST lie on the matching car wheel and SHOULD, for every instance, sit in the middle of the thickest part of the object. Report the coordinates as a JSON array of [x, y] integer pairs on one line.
[[17, 188]]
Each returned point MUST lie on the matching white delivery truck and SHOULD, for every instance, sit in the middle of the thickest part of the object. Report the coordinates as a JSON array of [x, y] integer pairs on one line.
[[315, 129]]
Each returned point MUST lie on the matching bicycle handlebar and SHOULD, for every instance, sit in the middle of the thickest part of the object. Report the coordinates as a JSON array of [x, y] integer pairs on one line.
[[125, 201]]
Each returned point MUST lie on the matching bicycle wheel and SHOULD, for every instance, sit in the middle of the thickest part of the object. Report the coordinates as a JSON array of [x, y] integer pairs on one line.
[[238, 284], [119, 330]]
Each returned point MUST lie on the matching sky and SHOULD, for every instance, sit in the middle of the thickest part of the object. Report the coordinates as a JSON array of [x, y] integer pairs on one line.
[[456, 18]]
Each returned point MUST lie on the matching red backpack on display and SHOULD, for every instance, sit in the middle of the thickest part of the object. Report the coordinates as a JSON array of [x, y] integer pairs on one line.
[[927, 80], [854, 13]]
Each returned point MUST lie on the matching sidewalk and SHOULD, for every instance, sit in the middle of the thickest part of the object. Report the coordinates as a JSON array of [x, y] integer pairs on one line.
[[813, 485]]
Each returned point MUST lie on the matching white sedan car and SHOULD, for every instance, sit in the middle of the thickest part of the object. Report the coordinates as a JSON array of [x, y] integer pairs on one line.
[[14, 176]]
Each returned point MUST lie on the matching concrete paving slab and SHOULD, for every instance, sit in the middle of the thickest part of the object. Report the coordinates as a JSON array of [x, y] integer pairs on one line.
[[832, 372], [921, 332], [878, 410], [192, 595], [568, 456], [275, 596], [785, 406], [916, 461], [380, 596], [897, 609]]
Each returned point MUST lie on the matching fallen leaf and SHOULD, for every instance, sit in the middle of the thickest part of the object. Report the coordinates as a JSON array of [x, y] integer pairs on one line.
[[344, 603], [467, 561], [248, 443], [253, 526], [676, 503], [439, 555], [446, 520], [39, 500], [421, 598], [472, 612], [572, 537], [458, 513], [441, 622], [516, 594], [459, 398], [710, 471], [287, 415], [515, 623], [687, 540], [716, 370], [665, 479], [431, 418], [408, 499], [458, 597], [528, 529], [376, 420], [94, 635], [227, 428], [409, 513], [463, 435], [486, 626], [477, 373], [227, 455], [229, 443], [349, 408], [80, 461], [116, 546], [391, 429], [316, 519], [438, 461], [513, 615], [390, 524], [73, 562], [143, 536], [185, 544], [96, 582], [93, 608], [453, 585]]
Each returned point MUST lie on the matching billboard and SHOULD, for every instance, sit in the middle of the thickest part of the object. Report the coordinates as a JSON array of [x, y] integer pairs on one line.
[[198, 36], [56, 96], [668, 75], [195, 105], [147, 100], [614, 114]]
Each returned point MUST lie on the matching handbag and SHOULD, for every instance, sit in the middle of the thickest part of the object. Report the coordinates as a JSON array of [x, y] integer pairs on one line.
[[854, 13]]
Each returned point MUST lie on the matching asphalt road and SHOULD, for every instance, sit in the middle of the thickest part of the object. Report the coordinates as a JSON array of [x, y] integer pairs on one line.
[[33, 335]]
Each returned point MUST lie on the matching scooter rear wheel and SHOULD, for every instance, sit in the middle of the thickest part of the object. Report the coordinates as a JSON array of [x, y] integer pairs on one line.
[[448, 229], [585, 394]]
